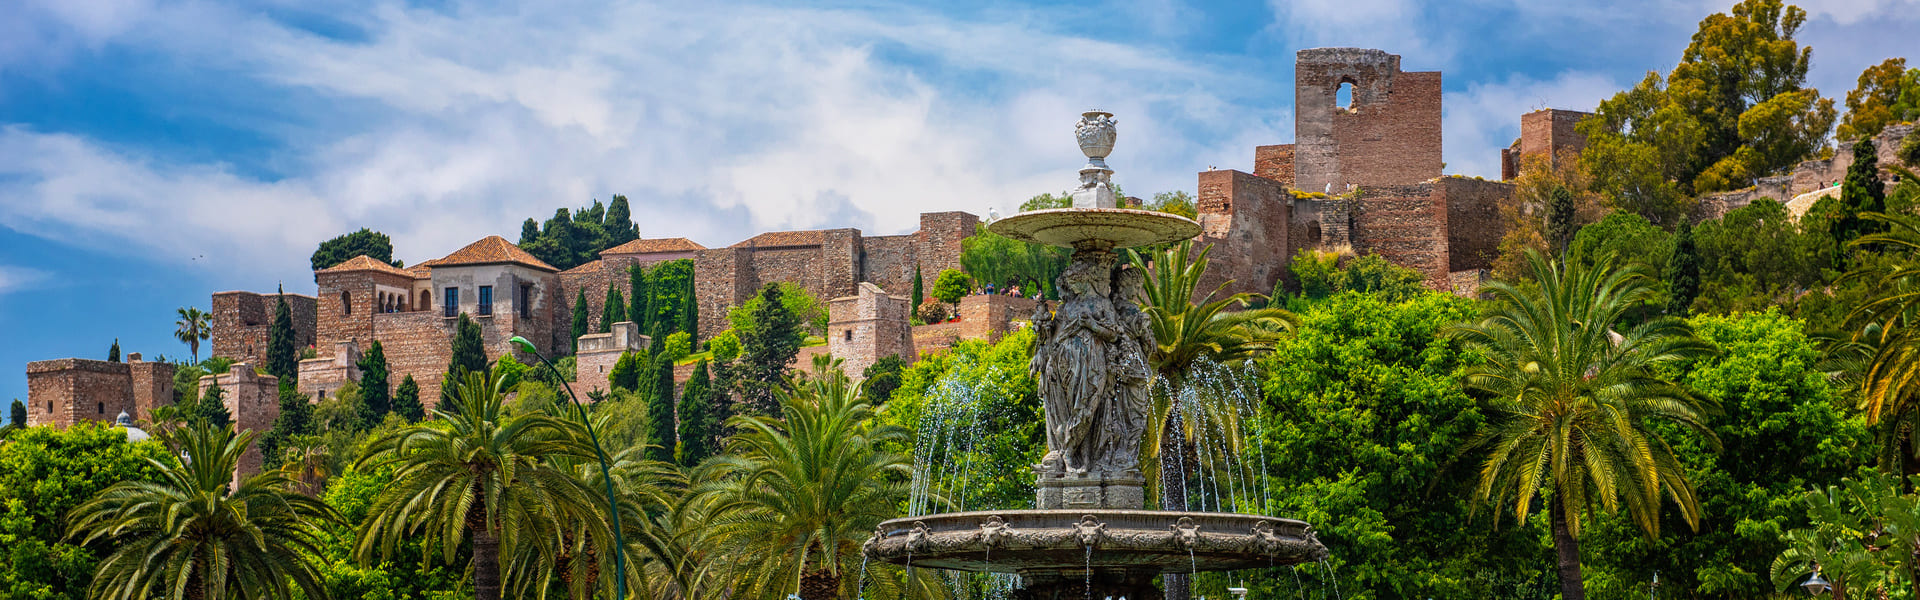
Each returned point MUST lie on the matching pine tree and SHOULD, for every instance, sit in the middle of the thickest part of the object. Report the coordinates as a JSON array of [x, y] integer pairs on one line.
[[113, 354], [696, 431], [579, 320], [919, 290], [212, 408], [406, 401], [376, 399], [295, 420], [283, 358], [17, 414], [529, 233], [625, 376], [1683, 273], [660, 411], [1560, 212], [615, 310], [619, 222], [641, 284]]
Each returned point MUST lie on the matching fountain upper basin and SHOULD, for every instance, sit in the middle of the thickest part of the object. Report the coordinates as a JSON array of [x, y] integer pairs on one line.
[[1108, 227], [1032, 541]]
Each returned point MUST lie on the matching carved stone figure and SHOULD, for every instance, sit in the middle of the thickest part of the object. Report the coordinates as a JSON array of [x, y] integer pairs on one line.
[[1072, 363], [1124, 418]]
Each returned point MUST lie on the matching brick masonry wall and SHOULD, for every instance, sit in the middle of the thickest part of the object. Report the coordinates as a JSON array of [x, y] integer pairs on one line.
[[941, 234], [1246, 221], [1808, 176], [69, 390], [152, 386], [938, 337], [348, 305], [840, 264], [418, 344], [254, 402], [1389, 136], [890, 260], [1474, 223], [1550, 132], [1406, 224], [242, 323], [334, 367], [990, 317], [1274, 162], [719, 283], [864, 327]]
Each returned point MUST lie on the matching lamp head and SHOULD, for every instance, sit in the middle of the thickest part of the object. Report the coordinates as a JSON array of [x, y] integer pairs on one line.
[[522, 344], [1816, 585]]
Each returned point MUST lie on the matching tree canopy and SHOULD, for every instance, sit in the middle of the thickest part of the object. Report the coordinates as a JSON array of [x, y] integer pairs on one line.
[[340, 249]]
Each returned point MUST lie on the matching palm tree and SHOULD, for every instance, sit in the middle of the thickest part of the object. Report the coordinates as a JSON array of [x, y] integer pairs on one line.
[[1883, 352], [795, 498], [192, 535], [194, 325], [1189, 329], [1574, 391], [480, 473]]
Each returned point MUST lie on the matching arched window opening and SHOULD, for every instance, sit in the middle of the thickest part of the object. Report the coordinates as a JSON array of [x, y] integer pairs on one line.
[[1344, 97], [346, 303], [426, 300]]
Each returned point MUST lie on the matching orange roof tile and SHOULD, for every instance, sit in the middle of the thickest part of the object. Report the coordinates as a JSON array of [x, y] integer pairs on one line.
[[589, 267], [783, 238], [654, 245], [489, 250], [365, 263]]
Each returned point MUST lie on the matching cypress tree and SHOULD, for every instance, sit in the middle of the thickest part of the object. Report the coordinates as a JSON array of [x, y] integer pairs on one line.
[[283, 358], [919, 290], [529, 232], [767, 346], [376, 399], [579, 320], [690, 315], [625, 376], [1683, 273], [615, 310], [1860, 193], [17, 414], [406, 401], [469, 356], [660, 411], [211, 408], [113, 354], [641, 284], [1560, 211], [696, 428], [295, 420]]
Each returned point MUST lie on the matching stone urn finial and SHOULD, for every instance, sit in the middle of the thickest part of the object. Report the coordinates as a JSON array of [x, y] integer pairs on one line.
[[1096, 133]]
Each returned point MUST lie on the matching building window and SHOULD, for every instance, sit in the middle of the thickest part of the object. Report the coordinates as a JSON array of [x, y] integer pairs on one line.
[[346, 303], [486, 300], [453, 301], [100, 407], [426, 300], [849, 335], [525, 301]]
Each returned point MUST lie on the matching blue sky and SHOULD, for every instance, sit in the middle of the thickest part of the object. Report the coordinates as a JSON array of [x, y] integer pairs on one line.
[[153, 152]]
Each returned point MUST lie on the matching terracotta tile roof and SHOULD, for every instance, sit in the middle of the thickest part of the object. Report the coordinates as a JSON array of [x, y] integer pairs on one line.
[[489, 250], [590, 267], [365, 263], [783, 238], [654, 245]]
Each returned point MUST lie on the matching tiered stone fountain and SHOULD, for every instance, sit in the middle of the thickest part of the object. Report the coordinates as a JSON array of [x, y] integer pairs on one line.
[[1091, 535]]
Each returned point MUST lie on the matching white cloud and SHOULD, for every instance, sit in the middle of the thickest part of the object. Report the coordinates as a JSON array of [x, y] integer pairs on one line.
[[14, 278], [718, 122], [1398, 26], [1486, 116]]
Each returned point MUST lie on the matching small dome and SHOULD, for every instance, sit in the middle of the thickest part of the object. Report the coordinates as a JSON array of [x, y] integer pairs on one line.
[[134, 434]]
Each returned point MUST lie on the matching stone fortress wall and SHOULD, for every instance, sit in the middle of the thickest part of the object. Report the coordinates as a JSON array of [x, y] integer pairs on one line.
[[1810, 180]]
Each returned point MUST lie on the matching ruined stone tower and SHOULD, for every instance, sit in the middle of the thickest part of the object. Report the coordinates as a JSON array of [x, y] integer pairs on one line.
[[1388, 134]]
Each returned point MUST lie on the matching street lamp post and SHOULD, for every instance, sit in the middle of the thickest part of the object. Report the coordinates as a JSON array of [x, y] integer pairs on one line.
[[606, 474]]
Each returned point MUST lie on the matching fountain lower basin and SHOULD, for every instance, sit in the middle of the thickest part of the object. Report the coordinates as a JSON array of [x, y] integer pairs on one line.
[[1031, 542]]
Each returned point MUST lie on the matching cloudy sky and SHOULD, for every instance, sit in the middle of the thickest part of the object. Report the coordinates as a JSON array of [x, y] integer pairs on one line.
[[153, 152]]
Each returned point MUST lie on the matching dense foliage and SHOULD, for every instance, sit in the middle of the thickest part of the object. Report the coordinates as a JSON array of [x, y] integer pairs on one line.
[[367, 242], [44, 474], [575, 238]]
